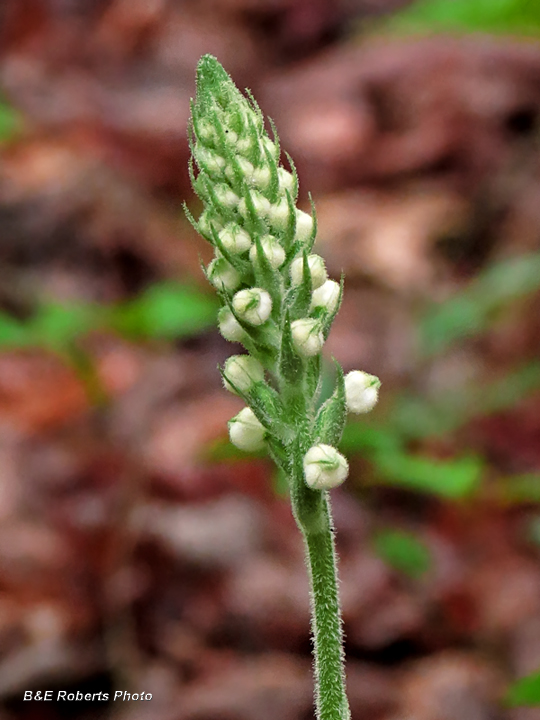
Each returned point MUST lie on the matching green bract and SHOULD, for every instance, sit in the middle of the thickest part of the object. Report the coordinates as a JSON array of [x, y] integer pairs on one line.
[[277, 302]]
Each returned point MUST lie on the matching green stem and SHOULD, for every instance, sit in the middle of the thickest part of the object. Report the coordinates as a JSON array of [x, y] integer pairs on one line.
[[312, 512]]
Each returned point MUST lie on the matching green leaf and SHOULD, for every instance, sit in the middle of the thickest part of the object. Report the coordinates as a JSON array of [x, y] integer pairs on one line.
[[13, 334], [9, 122], [519, 17], [58, 326], [450, 479], [525, 691], [476, 308], [331, 417], [403, 551], [167, 310]]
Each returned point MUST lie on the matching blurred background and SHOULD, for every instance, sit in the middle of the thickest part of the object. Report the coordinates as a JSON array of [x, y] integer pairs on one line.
[[138, 550]]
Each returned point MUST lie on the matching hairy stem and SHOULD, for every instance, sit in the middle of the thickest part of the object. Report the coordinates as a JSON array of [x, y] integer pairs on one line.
[[312, 512]]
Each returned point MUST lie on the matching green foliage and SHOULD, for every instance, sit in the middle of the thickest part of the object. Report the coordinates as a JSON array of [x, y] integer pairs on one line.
[[402, 551], [475, 309], [506, 17], [166, 310], [9, 121], [525, 691]]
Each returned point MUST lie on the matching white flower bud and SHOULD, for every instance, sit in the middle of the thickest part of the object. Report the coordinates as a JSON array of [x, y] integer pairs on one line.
[[253, 305], [229, 326], [316, 268], [304, 226], [223, 275], [324, 467], [268, 145], [262, 177], [211, 161], [246, 432], [260, 203], [279, 214], [235, 239], [206, 132], [245, 167], [307, 337], [243, 371], [286, 180], [272, 250], [231, 137], [245, 145], [226, 196], [326, 296], [361, 391], [206, 222]]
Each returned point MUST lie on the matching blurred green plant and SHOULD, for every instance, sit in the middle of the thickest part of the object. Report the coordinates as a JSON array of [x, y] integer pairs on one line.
[[165, 311], [402, 551], [524, 692], [413, 418], [10, 121], [506, 17]]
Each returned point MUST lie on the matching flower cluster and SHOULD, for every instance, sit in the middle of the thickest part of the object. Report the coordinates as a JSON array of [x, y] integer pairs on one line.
[[276, 297]]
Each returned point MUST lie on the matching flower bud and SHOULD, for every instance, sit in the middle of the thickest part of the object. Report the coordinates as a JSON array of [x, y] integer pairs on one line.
[[245, 166], [253, 305], [206, 132], [211, 161], [235, 239], [231, 137], [304, 226], [225, 196], [244, 145], [286, 180], [246, 432], [324, 467], [272, 250], [326, 296], [229, 326], [307, 337], [279, 214], [262, 177], [361, 391], [316, 269], [206, 222], [243, 371], [223, 275], [268, 145], [260, 203]]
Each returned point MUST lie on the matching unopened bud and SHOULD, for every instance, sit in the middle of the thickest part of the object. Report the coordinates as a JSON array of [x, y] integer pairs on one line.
[[225, 196], [324, 467], [246, 168], [307, 337], [286, 180], [262, 177], [304, 226], [316, 268], [279, 214], [361, 391], [272, 250], [243, 371], [206, 132], [235, 239], [207, 221], [326, 296], [223, 275], [229, 326], [210, 161], [260, 203], [253, 305], [246, 432]]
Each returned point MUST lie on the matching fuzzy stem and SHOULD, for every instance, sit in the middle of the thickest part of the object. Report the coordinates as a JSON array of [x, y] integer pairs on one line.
[[312, 512]]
